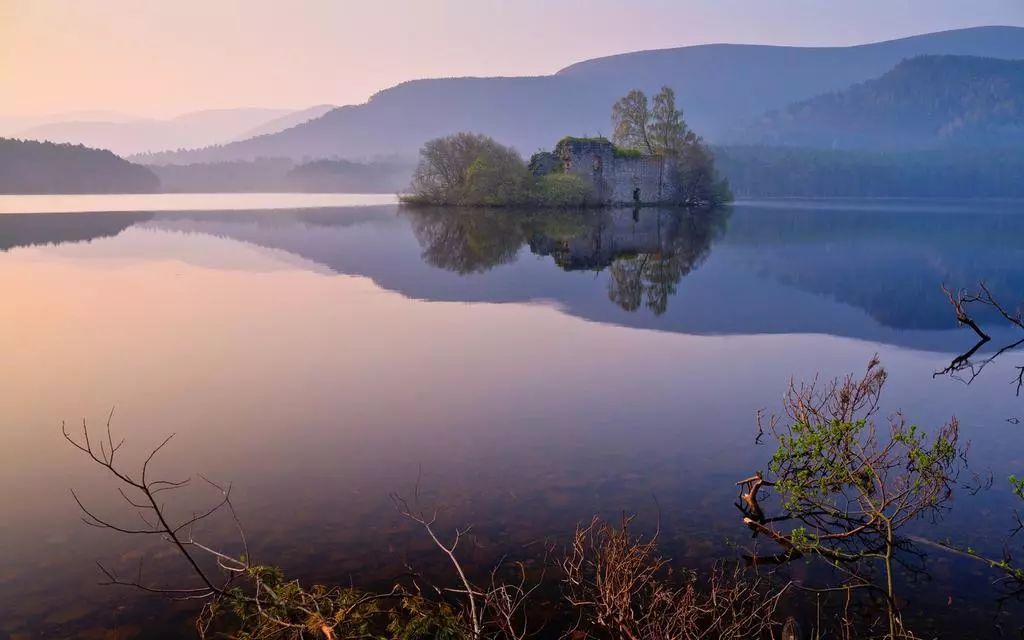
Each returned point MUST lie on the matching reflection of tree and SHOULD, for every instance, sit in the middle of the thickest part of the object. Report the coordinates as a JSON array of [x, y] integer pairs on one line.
[[21, 230], [647, 251], [626, 282], [467, 240], [683, 242]]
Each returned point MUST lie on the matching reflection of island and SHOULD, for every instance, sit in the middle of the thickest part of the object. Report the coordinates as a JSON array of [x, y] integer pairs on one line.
[[20, 230], [863, 270], [888, 259], [646, 251], [467, 240]]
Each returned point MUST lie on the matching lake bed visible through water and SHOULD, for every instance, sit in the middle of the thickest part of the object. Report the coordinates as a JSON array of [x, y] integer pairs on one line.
[[526, 369]]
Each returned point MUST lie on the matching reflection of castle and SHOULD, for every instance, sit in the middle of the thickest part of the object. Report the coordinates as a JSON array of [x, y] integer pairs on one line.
[[610, 235], [647, 251], [852, 270]]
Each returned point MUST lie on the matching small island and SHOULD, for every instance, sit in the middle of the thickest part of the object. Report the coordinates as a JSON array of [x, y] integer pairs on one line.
[[653, 159]]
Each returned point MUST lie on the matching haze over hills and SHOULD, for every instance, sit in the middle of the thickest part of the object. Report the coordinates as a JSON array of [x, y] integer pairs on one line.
[[872, 121], [721, 87], [924, 102], [127, 136], [287, 121], [12, 125]]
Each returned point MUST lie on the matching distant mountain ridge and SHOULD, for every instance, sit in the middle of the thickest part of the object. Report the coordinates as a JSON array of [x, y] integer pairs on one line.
[[287, 121], [922, 103], [130, 136], [721, 88]]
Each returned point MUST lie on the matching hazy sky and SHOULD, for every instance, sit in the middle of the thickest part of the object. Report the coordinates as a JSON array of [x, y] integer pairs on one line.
[[164, 57]]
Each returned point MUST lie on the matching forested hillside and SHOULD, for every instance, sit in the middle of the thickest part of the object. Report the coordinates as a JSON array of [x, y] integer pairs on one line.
[[924, 102], [281, 174], [757, 172], [44, 167]]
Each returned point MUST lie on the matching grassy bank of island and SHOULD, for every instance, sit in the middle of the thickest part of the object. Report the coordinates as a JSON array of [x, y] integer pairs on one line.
[[653, 158]]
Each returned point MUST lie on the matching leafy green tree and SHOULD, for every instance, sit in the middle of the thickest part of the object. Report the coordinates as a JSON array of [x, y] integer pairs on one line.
[[661, 130], [669, 133], [848, 487], [496, 176], [468, 168], [697, 178], [631, 122]]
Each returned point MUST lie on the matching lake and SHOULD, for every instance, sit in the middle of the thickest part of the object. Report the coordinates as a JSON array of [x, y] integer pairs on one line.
[[525, 369]]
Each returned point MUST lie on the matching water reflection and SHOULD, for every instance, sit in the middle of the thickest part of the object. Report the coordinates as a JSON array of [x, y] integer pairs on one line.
[[647, 252], [19, 230], [467, 240], [871, 273], [318, 392]]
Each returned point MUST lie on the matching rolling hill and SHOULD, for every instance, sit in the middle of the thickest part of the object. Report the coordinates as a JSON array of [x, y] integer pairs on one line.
[[27, 166], [923, 103], [721, 87]]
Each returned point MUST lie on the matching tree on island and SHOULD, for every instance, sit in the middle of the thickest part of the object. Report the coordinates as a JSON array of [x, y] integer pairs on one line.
[[473, 169], [661, 130]]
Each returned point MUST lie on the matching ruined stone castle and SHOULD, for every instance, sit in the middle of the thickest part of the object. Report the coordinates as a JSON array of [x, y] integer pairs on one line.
[[619, 177]]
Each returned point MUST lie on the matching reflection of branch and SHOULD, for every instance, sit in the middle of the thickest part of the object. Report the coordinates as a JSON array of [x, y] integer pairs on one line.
[[963, 363]]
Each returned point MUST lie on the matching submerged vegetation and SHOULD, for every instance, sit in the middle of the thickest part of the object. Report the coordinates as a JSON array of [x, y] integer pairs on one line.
[[845, 491], [615, 586]]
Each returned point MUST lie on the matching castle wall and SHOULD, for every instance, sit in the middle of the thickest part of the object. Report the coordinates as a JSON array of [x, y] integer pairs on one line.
[[619, 179], [637, 176]]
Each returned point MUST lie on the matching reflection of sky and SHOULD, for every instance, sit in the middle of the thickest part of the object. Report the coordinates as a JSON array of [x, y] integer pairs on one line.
[[873, 275], [318, 393], [182, 201]]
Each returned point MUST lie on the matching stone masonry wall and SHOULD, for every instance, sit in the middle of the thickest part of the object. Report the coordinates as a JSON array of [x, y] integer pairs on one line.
[[618, 179]]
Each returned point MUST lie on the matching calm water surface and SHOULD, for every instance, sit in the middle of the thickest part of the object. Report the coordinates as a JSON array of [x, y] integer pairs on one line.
[[184, 202], [530, 368]]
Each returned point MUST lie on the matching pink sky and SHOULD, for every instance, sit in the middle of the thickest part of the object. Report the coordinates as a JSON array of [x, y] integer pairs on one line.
[[162, 58]]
